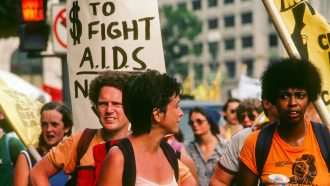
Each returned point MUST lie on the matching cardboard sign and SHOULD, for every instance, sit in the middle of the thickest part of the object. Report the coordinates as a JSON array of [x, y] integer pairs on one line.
[[22, 113], [120, 35]]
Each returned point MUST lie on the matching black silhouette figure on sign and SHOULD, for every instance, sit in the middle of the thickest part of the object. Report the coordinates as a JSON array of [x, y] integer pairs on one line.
[[76, 29], [300, 41]]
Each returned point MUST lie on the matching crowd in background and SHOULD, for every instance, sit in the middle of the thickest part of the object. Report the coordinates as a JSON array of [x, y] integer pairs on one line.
[[139, 114]]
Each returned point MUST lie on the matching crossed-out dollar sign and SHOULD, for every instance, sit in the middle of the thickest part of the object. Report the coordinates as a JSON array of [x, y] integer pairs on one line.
[[76, 29]]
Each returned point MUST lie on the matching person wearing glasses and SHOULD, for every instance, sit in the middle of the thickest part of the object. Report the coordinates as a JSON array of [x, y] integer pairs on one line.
[[229, 113], [248, 111], [208, 145], [227, 166]]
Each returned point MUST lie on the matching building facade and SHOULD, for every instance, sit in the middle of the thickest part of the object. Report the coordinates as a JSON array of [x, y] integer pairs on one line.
[[238, 36]]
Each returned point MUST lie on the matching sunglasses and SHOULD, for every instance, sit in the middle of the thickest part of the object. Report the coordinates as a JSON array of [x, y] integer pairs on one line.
[[250, 115], [198, 121], [233, 111]]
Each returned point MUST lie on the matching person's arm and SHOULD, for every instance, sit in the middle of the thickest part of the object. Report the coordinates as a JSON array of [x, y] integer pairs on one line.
[[246, 177], [40, 173], [185, 176], [187, 161], [220, 176], [112, 168], [21, 172], [188, 182]]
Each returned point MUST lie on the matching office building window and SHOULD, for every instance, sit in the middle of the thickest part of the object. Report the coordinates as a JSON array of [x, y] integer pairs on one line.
[[249, 66], [196, 4], [213, 3], [229, 44], [198, 48], [247, 41], [272, 40], [231, 68], [184, 49], [229, 21], [272, 61], [213, 49], [246, 17], [213, 23], [182, 5], [198, 67], [228, 1]]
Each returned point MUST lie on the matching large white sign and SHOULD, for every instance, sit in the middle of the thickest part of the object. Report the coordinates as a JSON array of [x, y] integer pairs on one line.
[[121, 35]]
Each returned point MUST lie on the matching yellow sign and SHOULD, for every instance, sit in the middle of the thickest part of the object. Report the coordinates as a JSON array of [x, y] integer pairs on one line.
[[310, 33], [22, 113]]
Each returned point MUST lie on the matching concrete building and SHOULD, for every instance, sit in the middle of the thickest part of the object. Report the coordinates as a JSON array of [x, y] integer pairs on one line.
[[236, 33]]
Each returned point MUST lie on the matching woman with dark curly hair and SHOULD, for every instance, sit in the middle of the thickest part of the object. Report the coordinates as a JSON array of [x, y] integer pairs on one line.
[[56, 123], [291, 85]]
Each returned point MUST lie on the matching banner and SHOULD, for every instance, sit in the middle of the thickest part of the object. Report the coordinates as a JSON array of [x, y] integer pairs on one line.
[[248, 88], [22, 113], [214, 92], [308, 31], [117, 35]]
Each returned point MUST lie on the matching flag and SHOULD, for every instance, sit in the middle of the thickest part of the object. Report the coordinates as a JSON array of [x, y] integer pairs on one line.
[[304, 33], [214, 93], [188, 85], [22, 113], [201, 91]]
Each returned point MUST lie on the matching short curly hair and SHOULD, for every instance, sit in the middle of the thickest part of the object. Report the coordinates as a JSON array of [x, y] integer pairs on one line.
[[290, 73], [114, 79]]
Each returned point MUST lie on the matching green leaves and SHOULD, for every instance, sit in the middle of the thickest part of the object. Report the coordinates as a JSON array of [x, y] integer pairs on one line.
[[180, 27]]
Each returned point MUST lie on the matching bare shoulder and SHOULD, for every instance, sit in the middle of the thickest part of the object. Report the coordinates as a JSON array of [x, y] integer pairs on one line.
[[114, 157]]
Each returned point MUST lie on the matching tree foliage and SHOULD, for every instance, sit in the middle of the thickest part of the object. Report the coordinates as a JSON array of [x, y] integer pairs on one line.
[[9, 18], [180, 26]]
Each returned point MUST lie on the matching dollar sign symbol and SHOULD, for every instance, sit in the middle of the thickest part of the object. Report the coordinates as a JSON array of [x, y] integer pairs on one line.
[[76, 29]]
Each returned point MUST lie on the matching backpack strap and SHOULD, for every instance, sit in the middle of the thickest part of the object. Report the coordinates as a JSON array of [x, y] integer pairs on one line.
[[129, 174], [171, 156], [8, 148], [322, 135], [83, 144], [28, 158], [263, 144]]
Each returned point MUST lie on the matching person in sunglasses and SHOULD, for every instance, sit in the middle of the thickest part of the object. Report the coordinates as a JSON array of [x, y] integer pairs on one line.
[[226, 169], [207, 146], [248, 111]]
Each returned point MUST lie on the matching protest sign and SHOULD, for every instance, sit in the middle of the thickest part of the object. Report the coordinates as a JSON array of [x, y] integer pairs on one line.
[[305, 34], [109, 35], [22, 113]]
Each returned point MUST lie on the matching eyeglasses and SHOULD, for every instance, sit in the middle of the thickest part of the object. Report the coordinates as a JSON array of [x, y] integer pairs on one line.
[[198, 121], [242, 116], [233, 111]]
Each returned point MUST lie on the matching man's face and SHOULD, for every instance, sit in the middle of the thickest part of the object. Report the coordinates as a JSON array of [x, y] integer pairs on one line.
[[230, 113], [110, 110], [291, 105]]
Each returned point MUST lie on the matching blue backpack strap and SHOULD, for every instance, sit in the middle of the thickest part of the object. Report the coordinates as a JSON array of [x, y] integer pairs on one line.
[[322, 135], [263, 144], [129, 174], [171, 156]]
